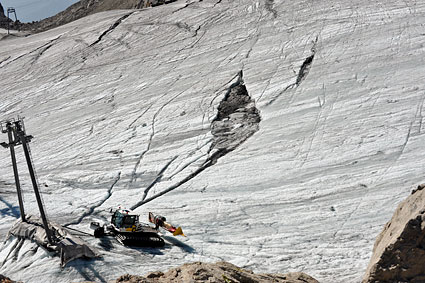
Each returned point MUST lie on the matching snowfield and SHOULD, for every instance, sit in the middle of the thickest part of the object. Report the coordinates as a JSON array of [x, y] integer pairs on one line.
[[120, 105]]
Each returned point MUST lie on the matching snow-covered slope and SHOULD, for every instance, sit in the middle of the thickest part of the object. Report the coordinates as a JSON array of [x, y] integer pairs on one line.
[[122, 101]]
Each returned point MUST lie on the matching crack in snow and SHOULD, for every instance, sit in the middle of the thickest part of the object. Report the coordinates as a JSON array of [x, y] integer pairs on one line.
[[305, 69], [216, 3], [302, 73], [4, 60], [196, 31], [154, 182], [184, 7], [41, 53], [91, 209], [111, 28], [133, 175], [180, 169], [237, 120], [43, 47]]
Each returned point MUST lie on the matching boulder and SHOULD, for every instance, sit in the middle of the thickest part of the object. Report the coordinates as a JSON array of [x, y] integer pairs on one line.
[[399, 251], [215, 272]]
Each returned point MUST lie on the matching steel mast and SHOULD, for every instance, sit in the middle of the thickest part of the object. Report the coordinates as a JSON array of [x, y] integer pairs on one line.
[[16, 132]]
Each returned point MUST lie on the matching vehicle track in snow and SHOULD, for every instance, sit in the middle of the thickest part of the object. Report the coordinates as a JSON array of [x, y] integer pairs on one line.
[[4, 60]]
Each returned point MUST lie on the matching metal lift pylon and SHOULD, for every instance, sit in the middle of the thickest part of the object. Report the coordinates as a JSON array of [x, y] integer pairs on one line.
[[16, 132], [10, 10]]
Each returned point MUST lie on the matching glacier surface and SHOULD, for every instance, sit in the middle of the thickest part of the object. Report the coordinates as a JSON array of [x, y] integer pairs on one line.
[[121, 104]]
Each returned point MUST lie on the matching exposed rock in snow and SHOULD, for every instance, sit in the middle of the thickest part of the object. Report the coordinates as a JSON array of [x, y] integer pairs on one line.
[[399, 251], [4, 279], [237, 118], [215, 272]]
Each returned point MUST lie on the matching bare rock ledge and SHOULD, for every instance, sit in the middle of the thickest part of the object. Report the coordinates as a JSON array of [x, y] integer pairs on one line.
[[399, 251], [215, 272]]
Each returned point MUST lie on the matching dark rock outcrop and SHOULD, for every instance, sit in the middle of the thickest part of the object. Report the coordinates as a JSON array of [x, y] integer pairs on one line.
[[1, 11], [215, 272], [237, 118], [87, 7], [4, 279], [6, 22], [399, 251], [3, 18], [79, 10]]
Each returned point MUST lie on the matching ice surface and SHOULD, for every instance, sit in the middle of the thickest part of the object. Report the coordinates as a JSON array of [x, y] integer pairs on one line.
[[113, 98]]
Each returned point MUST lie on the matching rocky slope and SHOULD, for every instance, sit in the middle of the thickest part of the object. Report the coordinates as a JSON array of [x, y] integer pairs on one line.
[[79, 10], [399, 251], [4, 20], [4, 279], [215, 272]]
